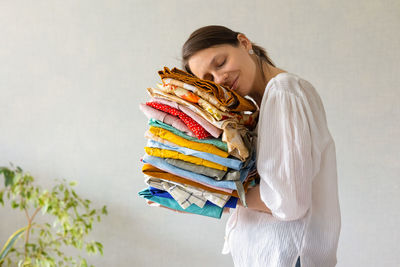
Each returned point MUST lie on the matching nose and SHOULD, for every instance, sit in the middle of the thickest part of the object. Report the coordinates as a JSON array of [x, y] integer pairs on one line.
[[221, 78]]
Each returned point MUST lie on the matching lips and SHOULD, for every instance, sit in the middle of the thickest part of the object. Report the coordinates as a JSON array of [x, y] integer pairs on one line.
[[234, 84]]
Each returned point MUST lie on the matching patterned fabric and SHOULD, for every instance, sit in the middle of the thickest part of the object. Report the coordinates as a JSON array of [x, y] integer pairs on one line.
[[179, 92], [183, 197], [226, 97], [179, 192], [196, 128], [206, 96]]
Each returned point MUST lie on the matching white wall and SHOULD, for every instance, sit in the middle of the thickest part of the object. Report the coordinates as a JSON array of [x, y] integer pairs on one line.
[[72, 74]]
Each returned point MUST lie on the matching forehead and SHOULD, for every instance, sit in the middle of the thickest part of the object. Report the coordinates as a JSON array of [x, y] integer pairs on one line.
[[201, 62]]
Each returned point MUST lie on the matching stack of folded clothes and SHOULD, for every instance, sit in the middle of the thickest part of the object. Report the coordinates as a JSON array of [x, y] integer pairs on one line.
[[199, 156]]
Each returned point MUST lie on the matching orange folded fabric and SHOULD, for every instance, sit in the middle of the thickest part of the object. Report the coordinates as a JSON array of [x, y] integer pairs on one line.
[[226, 97]]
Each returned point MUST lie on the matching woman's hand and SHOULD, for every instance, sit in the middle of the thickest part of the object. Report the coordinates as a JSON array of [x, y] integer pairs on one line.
[[154, 204], [254, 201]]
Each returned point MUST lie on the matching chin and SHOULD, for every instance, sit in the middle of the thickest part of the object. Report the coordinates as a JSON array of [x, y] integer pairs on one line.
[[241, 92]]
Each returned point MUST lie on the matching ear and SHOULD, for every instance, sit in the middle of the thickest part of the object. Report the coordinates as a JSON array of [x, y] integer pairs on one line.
[[244, 41]]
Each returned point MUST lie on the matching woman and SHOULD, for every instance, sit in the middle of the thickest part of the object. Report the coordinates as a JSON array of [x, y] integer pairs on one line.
[[293, 215]]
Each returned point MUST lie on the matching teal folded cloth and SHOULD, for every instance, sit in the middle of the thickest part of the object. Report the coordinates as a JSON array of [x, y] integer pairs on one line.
[[208, 210], [213, 141]]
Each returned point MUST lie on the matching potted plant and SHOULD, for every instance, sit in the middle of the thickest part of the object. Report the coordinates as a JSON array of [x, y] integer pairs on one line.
[[66, 220]]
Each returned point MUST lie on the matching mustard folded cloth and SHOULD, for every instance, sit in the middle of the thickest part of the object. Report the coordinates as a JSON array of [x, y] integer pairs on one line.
[[165, 153]]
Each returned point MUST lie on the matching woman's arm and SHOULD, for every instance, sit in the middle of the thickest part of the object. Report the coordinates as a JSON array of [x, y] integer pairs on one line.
[[254, 201]]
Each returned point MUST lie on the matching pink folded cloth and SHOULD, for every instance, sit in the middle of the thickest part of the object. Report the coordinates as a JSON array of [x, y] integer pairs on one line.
[[175, 122], [214, 131]]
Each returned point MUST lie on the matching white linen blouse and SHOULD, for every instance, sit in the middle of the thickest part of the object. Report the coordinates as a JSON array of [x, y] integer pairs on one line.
[[296, 161]]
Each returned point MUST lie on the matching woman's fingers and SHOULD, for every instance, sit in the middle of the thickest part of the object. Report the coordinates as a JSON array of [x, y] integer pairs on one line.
[[154, 204]]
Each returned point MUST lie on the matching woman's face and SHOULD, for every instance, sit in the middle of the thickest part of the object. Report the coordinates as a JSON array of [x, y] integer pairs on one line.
[[226, 65]]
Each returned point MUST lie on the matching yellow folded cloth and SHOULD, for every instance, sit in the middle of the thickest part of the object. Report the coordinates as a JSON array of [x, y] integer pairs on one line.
[[180, 141], [164, 153]]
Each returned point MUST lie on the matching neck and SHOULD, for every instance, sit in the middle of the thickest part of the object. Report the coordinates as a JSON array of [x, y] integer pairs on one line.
[[260, 84]]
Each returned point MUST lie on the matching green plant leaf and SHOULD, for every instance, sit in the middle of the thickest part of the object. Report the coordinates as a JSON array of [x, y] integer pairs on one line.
[[8, 175], [10, 243], [104, 210], [14, 204], [99, 247]]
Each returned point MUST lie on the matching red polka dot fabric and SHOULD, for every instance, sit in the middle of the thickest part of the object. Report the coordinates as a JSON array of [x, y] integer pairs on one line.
[[196, 128]]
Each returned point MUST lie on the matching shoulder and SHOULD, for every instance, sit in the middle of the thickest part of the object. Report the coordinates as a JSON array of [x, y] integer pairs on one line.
[[290, 83]]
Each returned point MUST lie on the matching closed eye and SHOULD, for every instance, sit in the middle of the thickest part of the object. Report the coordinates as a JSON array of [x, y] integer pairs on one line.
[[223, 62]]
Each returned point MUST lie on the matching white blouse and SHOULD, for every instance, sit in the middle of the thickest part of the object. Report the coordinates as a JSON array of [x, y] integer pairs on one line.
[[296, 161]]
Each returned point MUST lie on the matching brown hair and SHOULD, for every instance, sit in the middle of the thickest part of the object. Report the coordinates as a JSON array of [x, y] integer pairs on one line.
[[213, 35]]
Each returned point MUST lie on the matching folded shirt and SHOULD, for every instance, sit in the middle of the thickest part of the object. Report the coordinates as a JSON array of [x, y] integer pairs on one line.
[[228, 162], [177, 140], [212, 141], [207, 210], [164, 153]]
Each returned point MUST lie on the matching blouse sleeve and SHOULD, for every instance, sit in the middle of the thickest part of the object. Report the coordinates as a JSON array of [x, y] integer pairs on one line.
[[284, 157]]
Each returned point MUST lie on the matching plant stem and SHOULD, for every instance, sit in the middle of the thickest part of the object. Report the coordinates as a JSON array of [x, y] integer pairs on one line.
[[34, 214], [27, 214], [28, 230]]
